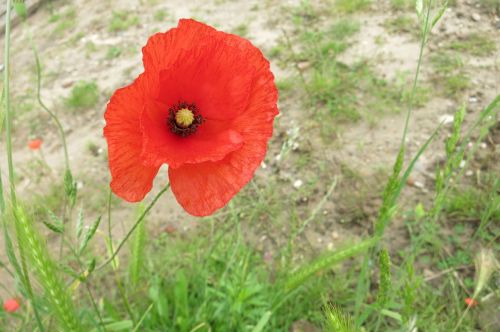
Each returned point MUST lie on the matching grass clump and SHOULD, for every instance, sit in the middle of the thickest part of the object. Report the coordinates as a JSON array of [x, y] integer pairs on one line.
[[402, 4], [64, 21], [449, 74], [474, 44], [113, 52], [402, 24], [83, 95], [160, 15], [352, 6], [241, 30], [122, 20]]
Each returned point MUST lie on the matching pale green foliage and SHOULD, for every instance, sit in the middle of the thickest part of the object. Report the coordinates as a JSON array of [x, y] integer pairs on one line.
[[384, 263], [326, 261], [34, 251], [83, 95], [338, 321]]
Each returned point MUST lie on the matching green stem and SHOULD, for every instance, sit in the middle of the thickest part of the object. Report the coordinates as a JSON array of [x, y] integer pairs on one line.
[[138, 221], [8, 134], [8, 113], [417, 72], [51, 114]]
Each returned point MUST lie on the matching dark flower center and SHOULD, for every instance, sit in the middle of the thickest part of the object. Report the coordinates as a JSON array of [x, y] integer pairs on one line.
[[184, 119]]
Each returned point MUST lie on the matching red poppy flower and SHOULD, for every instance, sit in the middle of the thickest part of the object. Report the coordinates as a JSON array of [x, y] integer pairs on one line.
[[471, 302], [204, 105], [11, 305], [35, 144]]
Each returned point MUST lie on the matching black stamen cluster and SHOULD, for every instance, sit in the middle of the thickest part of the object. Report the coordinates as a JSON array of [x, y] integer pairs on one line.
[[181, 131]]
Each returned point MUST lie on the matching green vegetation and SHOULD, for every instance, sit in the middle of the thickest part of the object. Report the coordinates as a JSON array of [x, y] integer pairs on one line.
[[241, 30], [122, 20], [449, 74], [160, 15], [351, 6], [402, 4], [402, 24], [83, 95], [113, 52], [478, 44], [64, 21]]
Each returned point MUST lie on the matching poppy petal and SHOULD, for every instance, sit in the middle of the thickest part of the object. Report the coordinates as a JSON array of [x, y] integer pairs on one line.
[[217, 78], [131, 180], [221, 180], [187, 35]]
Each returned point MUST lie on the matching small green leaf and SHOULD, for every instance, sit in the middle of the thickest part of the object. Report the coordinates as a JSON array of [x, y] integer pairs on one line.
[[89, 234], [419, 6], [55, 224], [439, 14], [70, 187], [79, 223], [124, 325], [55, 228], [262, 322], [392, 314], [20, 8], [69, 271], [91, 267], [419, 211], [304, 273]]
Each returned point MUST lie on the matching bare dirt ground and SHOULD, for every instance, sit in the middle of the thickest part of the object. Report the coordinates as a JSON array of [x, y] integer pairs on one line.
[[80, 51]]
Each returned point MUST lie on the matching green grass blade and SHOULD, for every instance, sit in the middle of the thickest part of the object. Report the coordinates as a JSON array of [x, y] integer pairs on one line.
[[304, 273]]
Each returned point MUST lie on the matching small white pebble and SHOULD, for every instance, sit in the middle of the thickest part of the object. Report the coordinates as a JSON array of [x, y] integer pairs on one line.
[[446, 119], [483, 145], [418, 184], [462, 164], [297, 184], [469, 173], [263, 165]]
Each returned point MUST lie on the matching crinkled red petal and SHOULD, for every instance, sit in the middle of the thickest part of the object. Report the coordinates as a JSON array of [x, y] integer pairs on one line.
[[131, 179], [203, 188]]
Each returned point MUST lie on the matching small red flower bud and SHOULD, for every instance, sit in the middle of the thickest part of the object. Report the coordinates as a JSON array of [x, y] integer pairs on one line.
[[11, 305], [471, 302], [35, 144]]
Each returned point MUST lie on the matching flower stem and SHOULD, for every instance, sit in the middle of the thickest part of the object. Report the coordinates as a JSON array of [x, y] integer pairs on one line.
[[46, 109], [138, 221], [8, 113], [24, 276]]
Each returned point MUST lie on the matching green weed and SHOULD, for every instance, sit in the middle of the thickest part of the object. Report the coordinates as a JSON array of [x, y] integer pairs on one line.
[[351, 6], [84, 95], [449, 74], [241, 30], [122, 20], [160, 15], [65, 21], [478, 44], [113, 52], [402, 24]]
